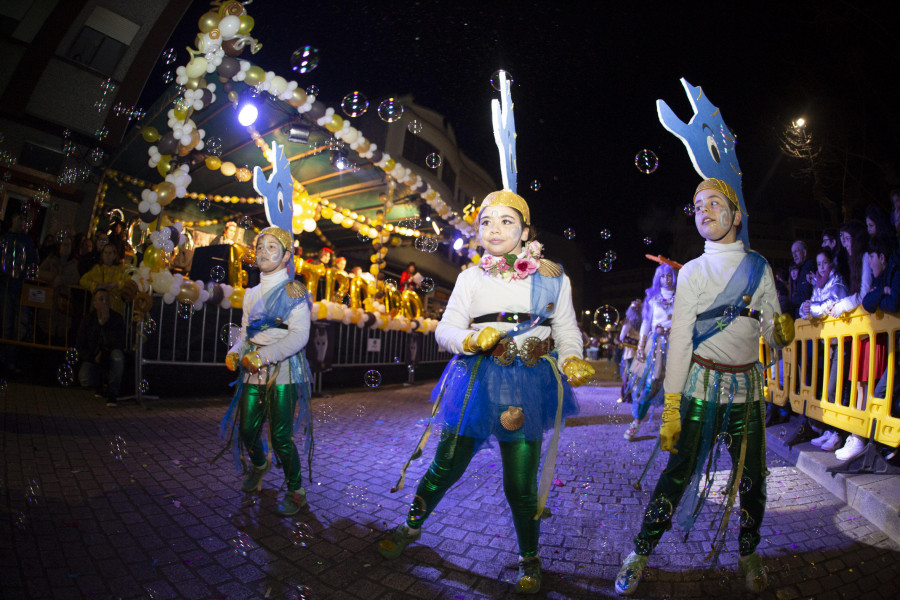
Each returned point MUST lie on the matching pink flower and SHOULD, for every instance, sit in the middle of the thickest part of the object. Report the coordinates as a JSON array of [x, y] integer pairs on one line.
[[502, 266], [487, 262], [534, 248], [525, 267]]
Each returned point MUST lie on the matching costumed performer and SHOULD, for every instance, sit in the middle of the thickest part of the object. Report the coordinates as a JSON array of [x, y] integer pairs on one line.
[[713, 389], [631, 327], [274, 381], [502, 321], [649, 367]]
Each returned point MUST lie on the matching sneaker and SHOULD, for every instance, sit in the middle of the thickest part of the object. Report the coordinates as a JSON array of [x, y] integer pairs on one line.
[[832, 444], [293, 501], [630, 574], [253, 478], [754, 572], [529, 581], [402, 537], [632, 430], [822, 438], [853, 448]]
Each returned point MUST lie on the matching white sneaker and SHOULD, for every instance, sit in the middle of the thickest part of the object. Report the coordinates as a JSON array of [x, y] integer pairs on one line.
[[630, 574], [822, 438], [833, 443], [853, 448]]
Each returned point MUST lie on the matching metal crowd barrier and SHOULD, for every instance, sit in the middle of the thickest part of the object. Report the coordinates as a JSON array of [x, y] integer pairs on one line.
[[37, 315], [803, 376]]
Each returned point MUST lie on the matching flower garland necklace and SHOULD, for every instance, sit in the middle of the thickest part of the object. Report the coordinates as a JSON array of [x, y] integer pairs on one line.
[[510, 266]]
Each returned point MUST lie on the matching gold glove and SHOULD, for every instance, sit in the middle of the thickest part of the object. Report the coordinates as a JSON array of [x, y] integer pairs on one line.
[[232, 361], [481, 341], [577, 370], [252, 362], [784, 329], [670, 430]]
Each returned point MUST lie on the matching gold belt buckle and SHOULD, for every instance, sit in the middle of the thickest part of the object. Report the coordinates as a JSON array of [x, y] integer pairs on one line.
[[509, 353], [529, 351]]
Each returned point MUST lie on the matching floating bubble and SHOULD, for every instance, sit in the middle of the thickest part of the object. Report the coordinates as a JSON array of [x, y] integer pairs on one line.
[[659, 511], [606, 316], [64, 375], [31, 271], [145, 386], [731, 313], [304, 59], [426, 285], [118, 448], [535, 185], [33, 493], [168, 77], [326, 414], [203, 204], [96, 155], [355, 104], [611, 255], [184, 309], [245, 222], [69, 147], [71, 356], [363, 237], [301, 534], [390, 110], [414, 127], [746, 484], [724, 439], [372, 378], [426, 244], [411, 368], [605, 265], [100, 105], [689, 210], [647, 241], [230, 334], [646, 161], [391, 284], [397, 359], [642, 546], [433, 160], [101, 132], [66, 133], [20, 520], [495, 78], [569, 233], [312, 90], [360, 410], [3, 387], [242, 544], [213, 146], [746, 519], [605, 234], [217, 273], [149, 326], [301, 592], [169, 56]]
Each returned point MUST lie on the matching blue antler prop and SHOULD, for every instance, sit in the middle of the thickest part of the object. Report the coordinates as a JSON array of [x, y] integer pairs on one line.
[[278, 190], [505, 133], [709, 143]]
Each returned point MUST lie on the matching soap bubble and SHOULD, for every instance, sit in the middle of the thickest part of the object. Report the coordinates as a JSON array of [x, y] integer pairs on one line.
[[647, 241], [301, 592], [184, 309], [646, 161], [724, 439], [64, 375], [414, 222], [390, 110], [433, 160], [731, 313], [203, 204], [414, 127], [312, 90], [71, 356], [391, 284], [355, 104], [689, 210], [245, 222], [659, 511], [746, 484], [31, 271], [149, 326], [535, 185], [33, 493], [495, 79], [217, 273], [118, 448], [372, 378], [169, 56], [145, 386], [606, 315], [427, 285], [213, 146], [242, 544], [569, 233], [101, 132], [360, 410], [362, 237], [611, 255], [301, 534], [746, 519], [605, 265], [230, 334], [642, 546], [304, 59], [168, 77], [411, 368], [3, 387], [605, 234], [426, 244]]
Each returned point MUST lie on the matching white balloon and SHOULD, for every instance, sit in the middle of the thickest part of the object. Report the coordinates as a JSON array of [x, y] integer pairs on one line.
[[229, 26]]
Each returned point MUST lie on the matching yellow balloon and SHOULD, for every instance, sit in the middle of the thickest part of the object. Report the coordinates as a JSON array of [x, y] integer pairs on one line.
[[208, 22], [247, 23], [254, 75], [243, 174], [298, 98], [327, 213], [155, 258], [322, 310], [164, 165], [297, 224], [373, 269], [237, 298], [193, 83], [335, 124], [389, 165], [150, 134], [165, 192], [213, 163], [228, 169], [180, 110], [189, 292], [410, 304]]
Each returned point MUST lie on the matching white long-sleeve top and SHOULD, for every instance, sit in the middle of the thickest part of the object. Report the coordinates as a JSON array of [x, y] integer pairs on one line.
[[660, 312], [477, 293], [699, 282], [275, 345]]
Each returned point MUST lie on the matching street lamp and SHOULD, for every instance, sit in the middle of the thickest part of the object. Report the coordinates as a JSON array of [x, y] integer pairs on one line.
[[799, 123]]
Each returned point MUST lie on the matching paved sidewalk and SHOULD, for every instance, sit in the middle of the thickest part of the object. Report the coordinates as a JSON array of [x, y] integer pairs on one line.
[[123, 503]]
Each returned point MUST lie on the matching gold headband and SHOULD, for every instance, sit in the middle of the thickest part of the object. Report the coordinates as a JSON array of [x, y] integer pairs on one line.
[[286, 240], [507, 198], [719, 186]]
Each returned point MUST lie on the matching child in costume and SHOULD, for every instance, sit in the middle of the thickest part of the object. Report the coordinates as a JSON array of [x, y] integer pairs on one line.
[[274, 375], [502, 320], [713, 388], [631, 328], [648, 370]]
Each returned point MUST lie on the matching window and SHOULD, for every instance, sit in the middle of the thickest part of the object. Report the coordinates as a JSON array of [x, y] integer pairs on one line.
[[95, 50], [448, 176], [415, 149]]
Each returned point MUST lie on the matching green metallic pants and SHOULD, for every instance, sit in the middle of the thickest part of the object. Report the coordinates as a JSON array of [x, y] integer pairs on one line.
[[520, 464], [677, 474], [278, 405]]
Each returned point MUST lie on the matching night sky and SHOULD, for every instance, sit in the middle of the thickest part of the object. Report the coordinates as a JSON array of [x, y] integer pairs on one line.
[[586, 82]]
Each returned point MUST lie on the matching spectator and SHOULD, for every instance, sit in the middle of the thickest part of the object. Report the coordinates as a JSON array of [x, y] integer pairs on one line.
[[118, 237], [47, 247], [87, 261], [16, 251], [108, 275], [885, 296], [85, 257], [829, 289], [229, 235], [878, 224], [802, 287], [831, 238], [783, 290], [895, 209], [324, 257], [628, 338], [101, 345], [60, 270], [406, 278]]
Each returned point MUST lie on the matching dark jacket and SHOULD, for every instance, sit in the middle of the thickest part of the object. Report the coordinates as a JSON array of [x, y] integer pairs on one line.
[[802, 288], [94, 338], [877, 299]]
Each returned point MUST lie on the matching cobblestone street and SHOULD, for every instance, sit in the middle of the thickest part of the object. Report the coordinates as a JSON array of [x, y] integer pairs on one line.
[[123, 503]]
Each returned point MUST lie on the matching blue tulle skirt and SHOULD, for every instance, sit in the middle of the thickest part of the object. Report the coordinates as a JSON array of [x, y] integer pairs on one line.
[[474, 391]]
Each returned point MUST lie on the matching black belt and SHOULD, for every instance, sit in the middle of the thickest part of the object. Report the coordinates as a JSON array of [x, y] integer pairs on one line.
[[509, 317], [752, 313]]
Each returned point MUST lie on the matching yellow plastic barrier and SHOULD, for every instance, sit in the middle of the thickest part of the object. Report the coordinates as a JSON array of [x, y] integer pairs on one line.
[[806, 374]]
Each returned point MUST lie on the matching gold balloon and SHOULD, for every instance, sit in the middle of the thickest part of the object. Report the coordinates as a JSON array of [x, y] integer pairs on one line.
[[213, 163], [389, 165], [311, 274], [228, 169], [155, 258], [327, 213], [335, 124], [392, 299], [254, 75], [165, 192], [164, 165], [193, 83], [180, 110], [237, 298], [208, 22], [247, 23], [243, 174], [336, 277], [298, 98], [189, 292], [150, 134], [410, 304], [231, 7]]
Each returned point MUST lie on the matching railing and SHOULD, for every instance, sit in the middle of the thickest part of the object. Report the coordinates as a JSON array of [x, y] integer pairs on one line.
[[37, 315]]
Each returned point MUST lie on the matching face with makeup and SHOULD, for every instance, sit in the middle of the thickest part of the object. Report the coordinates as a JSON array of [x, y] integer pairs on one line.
[[715, 217], [500, 229], [270, 255]]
